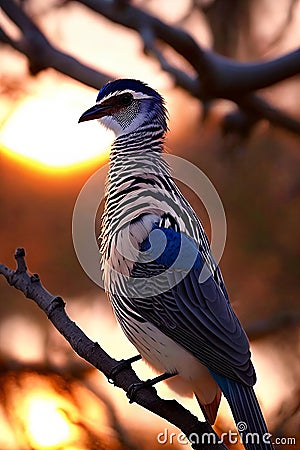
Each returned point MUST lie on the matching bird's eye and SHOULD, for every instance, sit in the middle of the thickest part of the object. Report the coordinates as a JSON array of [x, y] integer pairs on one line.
[[125, 99]]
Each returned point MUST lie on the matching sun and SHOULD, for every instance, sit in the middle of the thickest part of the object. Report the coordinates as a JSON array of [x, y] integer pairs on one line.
[[44, 131], [48, 426]]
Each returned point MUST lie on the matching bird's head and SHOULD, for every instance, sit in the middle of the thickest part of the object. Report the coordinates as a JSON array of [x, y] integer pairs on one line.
[[126, 105]]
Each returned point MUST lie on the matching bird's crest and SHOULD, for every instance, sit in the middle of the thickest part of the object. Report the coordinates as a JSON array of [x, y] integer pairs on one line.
[[137, 88]]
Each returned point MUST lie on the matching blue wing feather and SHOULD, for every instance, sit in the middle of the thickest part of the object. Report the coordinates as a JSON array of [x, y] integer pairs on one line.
[[196, 315], [171, 249]]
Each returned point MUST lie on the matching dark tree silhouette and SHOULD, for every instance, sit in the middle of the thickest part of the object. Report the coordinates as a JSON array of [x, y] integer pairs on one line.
[[213, 76]]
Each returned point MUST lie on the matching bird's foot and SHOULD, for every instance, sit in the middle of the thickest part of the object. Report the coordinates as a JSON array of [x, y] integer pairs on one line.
[[123, 364], [135, 387]]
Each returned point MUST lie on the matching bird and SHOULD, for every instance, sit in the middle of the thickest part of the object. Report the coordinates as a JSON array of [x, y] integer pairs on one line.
[[165, 287]]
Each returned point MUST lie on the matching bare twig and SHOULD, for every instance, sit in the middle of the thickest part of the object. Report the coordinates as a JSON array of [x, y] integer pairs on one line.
[[53, 306], [222, 77], [42, 54], [213, 76], [254, 108], [182, 79]]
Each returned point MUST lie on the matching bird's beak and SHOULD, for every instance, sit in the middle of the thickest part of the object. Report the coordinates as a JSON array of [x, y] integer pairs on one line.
[[95, 112]]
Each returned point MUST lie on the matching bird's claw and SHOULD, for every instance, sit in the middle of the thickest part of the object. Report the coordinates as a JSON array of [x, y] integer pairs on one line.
[[135, 387], [121, 365]]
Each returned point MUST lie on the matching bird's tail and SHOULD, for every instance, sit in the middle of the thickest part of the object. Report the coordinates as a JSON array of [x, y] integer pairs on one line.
[[247, 415]]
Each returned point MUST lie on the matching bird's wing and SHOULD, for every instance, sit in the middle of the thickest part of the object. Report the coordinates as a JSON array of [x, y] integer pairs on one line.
[[193, 311]]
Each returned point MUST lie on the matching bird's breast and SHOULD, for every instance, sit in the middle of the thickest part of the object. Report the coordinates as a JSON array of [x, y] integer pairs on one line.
[[165, 355]]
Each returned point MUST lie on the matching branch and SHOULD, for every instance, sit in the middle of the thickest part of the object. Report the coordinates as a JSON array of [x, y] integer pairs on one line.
[[182, 79], [215, 75], [229, 78], [253, 108], [223, 77], [42, 54], [54, 308], [134, 18], [260, 109]]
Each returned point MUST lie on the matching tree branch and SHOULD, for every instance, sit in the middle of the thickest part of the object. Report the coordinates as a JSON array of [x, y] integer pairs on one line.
[[215, 75], [54, 307], [222, 77], [228, 78], [182, 79], [42, 54], [254, 108], [260, 109]]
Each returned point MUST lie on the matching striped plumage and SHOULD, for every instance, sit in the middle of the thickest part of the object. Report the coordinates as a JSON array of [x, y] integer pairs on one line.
[[164, 285]]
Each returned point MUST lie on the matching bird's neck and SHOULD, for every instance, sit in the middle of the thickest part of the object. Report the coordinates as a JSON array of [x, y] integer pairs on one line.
[[137, 154], [136, 167]]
